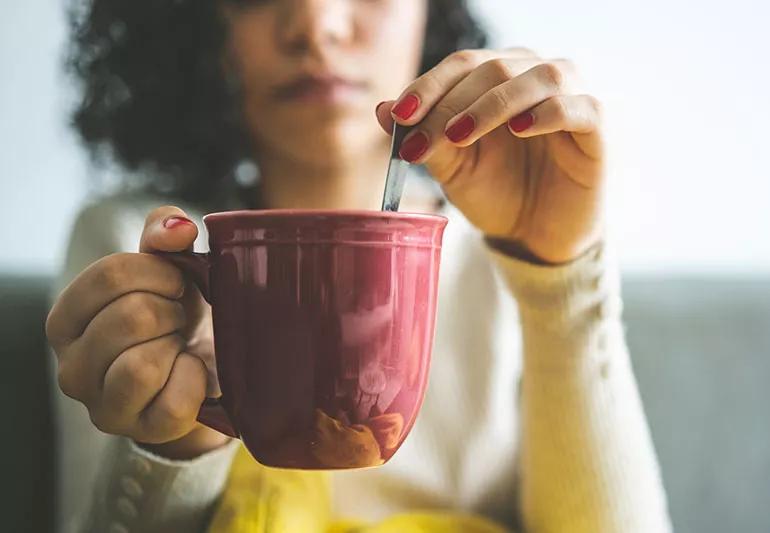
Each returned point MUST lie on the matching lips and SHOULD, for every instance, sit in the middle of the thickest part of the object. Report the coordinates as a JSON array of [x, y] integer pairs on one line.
[[327, 88]]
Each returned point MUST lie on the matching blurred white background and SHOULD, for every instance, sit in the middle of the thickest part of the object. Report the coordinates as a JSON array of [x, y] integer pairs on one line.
[[684, 85]]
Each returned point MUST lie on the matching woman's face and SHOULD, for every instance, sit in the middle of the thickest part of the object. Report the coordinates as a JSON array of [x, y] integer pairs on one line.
[[312, 71]]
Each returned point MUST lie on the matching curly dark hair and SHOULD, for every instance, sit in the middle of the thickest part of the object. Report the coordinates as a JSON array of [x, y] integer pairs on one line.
[[155, 96]]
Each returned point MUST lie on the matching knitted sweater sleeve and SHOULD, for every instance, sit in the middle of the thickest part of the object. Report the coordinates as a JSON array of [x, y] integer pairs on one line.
[[587, 462]]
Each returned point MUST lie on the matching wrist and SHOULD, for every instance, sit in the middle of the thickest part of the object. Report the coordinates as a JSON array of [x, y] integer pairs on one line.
[[516, 250], [520, 251], [555, 297], [199, 441]]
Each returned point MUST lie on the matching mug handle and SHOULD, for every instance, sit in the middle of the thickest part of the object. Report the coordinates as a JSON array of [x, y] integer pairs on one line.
[[197, 266]]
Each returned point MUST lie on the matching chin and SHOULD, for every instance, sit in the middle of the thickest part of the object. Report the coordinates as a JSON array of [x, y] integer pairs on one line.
[[325, 142]]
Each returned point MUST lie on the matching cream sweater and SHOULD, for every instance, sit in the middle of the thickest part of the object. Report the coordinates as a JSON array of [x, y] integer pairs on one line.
[[531, 417]]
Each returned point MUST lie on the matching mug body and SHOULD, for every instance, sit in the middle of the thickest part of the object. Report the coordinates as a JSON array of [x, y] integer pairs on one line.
[[323, 326]]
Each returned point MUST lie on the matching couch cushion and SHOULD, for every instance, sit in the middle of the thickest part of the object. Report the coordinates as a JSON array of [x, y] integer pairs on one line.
[[27, 444], [701, 352]]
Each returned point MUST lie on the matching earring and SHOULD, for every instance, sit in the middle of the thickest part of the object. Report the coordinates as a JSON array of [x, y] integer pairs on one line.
[[247, 173]]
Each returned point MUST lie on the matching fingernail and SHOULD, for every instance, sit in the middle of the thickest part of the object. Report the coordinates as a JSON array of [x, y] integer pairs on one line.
[[413, 147], [460, 129], [406, 107], [173, 222], [521, 122]]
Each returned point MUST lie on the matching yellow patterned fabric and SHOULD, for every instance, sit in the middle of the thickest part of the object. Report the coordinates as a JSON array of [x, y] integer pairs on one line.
[[269, 500]]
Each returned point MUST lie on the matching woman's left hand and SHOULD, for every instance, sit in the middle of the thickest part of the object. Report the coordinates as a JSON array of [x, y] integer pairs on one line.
[[513, 146]]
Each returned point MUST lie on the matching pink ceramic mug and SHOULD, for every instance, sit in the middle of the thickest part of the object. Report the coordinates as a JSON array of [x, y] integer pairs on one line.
[[323, 329]]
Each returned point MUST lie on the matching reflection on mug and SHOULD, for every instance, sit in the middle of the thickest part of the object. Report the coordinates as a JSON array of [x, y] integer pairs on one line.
[[387, 429], [337, 444]]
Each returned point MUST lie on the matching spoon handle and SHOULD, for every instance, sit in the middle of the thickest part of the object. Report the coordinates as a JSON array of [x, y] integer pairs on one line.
[[394, 182]]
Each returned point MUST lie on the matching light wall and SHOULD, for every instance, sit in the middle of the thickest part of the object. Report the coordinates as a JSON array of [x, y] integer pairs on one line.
[[684, 86]]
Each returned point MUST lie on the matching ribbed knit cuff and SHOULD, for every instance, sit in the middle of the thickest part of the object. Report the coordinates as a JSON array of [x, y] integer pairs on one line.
[[565, 306], [140, 491]]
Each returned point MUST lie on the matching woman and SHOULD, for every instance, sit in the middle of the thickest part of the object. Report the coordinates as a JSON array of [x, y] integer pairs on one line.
[[191, 95]]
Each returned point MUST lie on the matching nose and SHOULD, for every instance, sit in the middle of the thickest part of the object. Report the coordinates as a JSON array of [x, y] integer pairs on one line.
[[309, 26]]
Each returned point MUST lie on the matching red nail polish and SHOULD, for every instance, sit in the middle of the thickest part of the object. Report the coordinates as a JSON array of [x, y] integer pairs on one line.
[[521, 122], [406, 107], [461, 129], [413, 147], [173, 222]]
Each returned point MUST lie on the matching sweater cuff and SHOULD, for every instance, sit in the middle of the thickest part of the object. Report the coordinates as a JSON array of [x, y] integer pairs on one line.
[[558, 296], [570, 314], [141, 491]]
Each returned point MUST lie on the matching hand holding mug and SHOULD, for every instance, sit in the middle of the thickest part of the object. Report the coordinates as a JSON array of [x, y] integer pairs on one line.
[[130, 338]]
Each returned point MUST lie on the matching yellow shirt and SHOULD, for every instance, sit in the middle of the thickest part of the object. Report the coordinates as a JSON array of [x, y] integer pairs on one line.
[[258, 499]]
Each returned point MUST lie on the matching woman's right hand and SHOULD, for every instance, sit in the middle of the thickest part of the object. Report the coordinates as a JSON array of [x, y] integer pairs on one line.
[[130, 337]]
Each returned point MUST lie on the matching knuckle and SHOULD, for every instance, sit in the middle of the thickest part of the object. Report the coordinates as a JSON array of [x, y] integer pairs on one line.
[[498, 69], [566, 64], [52, 328], [551, 74], [596, 105], [175, 414], [560, 108], [498, 98], [112, 272], [140, 314], [571, 78], [522, 51], [141, 373], [465, 57], [67, 381], [177, 282], [446, 110], [429, 83], [103, 420]]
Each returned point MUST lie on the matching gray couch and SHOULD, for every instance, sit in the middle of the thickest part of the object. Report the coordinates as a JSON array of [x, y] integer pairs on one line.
[[701, 350]]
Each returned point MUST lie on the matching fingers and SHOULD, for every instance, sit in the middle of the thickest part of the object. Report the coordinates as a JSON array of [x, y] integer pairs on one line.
[[153, 393], [138, 374], [580, 115], [488, 74], [172, 414], [117, 332], [167, 229], [150, 391], [485, 99], [103, 282], [425, 92], [509, 96], [131, 383], [129, 321]]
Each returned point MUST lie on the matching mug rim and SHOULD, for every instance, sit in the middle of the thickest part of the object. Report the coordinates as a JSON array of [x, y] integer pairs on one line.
[[332, 213]]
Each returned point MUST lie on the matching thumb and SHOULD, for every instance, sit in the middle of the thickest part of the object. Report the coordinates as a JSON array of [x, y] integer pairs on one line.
[[167, 229], [383, 115]]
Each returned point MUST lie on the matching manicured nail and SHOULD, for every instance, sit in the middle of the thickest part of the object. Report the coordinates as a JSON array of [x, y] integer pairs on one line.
[[413, 147], [521, 122], [461, 129], [406, 107], [173, 222]]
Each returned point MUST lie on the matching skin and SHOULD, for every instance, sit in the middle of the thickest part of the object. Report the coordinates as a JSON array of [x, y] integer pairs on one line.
[[131, 337], [328, 155]]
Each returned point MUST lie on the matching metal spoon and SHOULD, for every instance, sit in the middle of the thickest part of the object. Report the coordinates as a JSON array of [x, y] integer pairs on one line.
[[394, 181]]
